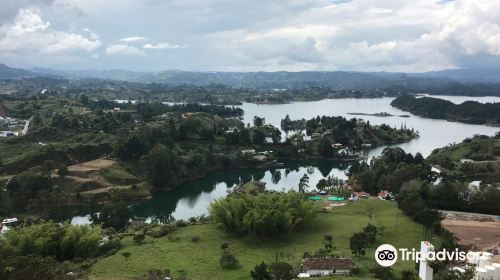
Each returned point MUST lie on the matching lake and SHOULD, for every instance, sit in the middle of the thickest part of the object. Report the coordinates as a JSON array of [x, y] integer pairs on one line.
[[193, 198]]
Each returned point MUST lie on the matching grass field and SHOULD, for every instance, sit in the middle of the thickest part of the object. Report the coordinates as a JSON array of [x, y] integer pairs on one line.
[[200, 259]]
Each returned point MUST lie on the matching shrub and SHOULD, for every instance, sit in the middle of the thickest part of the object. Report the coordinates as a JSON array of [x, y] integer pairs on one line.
[[139, 238], [195, 239], [266, 215], [228, 261], [282, 271], [162, 230], [126, 255], [181, 223]]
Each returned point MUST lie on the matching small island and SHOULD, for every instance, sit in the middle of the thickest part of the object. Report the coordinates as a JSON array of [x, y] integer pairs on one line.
[[380, 114]]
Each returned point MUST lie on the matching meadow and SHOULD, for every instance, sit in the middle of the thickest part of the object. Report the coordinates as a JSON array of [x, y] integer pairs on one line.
[[200, 260]]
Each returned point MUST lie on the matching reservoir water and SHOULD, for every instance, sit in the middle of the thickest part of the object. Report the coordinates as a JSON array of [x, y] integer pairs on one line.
[[193, 198]]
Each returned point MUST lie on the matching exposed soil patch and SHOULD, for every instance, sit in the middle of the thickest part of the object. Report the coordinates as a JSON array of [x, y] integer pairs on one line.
[[481, 231]]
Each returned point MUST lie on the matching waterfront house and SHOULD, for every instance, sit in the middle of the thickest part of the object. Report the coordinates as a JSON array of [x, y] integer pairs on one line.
[[325, 266], [248, 152], [337, 146], [316, 135], [385, 195]]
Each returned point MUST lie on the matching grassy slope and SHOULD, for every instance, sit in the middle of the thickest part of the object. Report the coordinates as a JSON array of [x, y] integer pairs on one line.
[[200, 260], [477, 147]]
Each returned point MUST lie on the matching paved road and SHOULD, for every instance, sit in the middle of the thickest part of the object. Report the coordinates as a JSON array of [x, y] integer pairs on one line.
[[26, 127]]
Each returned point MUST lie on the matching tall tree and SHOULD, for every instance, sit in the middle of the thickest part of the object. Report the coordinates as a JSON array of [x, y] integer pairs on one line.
[[303, 184]]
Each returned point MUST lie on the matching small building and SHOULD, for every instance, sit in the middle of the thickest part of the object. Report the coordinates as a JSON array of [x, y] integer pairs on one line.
[[7, 134], [344, 152], [337, 146], [320, 266], [260, 157], [359, 195], [10, 222], [248, 152], [316, 135], [385, 195]]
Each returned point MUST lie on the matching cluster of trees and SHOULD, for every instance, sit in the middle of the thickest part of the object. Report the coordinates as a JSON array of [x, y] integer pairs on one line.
[[267, 215], [35, 251], [329, 183], [390, 170], [32, 192], [413, 200], [253, 135], [274, 271], [149, 110], [468, 112], [360, 241], [165, 157], [348, 132]]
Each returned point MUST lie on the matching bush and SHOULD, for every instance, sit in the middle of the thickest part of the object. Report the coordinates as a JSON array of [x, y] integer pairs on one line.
[[65, 242], [228, 261], [162, 230], [139, 238], [195, 239], [282, 271], [181, 223], [266, 215]]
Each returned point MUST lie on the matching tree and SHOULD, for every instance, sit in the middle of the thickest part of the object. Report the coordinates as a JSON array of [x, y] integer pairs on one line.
[[245, 137], [266, 215], [358, 244], [322, 184], [261, 272], [258, 137], [126, 255], [303, 184], [328, 243], [62, 171], [84, 99], [224, 246], [282, 271], [325, 148], [419, 159], [257, 121], [160, 166], [385, 273], [276, 135], [115, 215], [370, 232]]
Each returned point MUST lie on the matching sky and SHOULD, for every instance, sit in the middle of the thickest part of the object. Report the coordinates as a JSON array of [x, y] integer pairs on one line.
[[250, 35]]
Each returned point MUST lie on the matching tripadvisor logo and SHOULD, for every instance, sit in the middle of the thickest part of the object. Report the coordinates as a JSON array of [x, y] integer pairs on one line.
[[387, 255]]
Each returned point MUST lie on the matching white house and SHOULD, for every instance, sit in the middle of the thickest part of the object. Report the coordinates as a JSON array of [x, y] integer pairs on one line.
[[324, 266]]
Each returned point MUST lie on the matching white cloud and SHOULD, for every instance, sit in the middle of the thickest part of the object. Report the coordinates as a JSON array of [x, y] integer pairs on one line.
[[121, 49], [133, 39], [244, 35], [93, 35], [29, 33], [163, 45]]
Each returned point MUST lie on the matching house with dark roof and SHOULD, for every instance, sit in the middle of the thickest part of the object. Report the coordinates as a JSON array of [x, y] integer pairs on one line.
[[324, 266]]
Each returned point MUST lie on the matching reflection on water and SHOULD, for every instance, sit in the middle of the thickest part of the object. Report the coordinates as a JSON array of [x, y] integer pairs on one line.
[[193, 198]]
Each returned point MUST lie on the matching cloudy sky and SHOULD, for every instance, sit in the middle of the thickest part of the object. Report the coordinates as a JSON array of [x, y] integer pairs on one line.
[[250, 35]]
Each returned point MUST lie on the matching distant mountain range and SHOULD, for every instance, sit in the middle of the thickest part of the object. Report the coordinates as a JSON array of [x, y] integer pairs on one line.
[[282, 79]]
